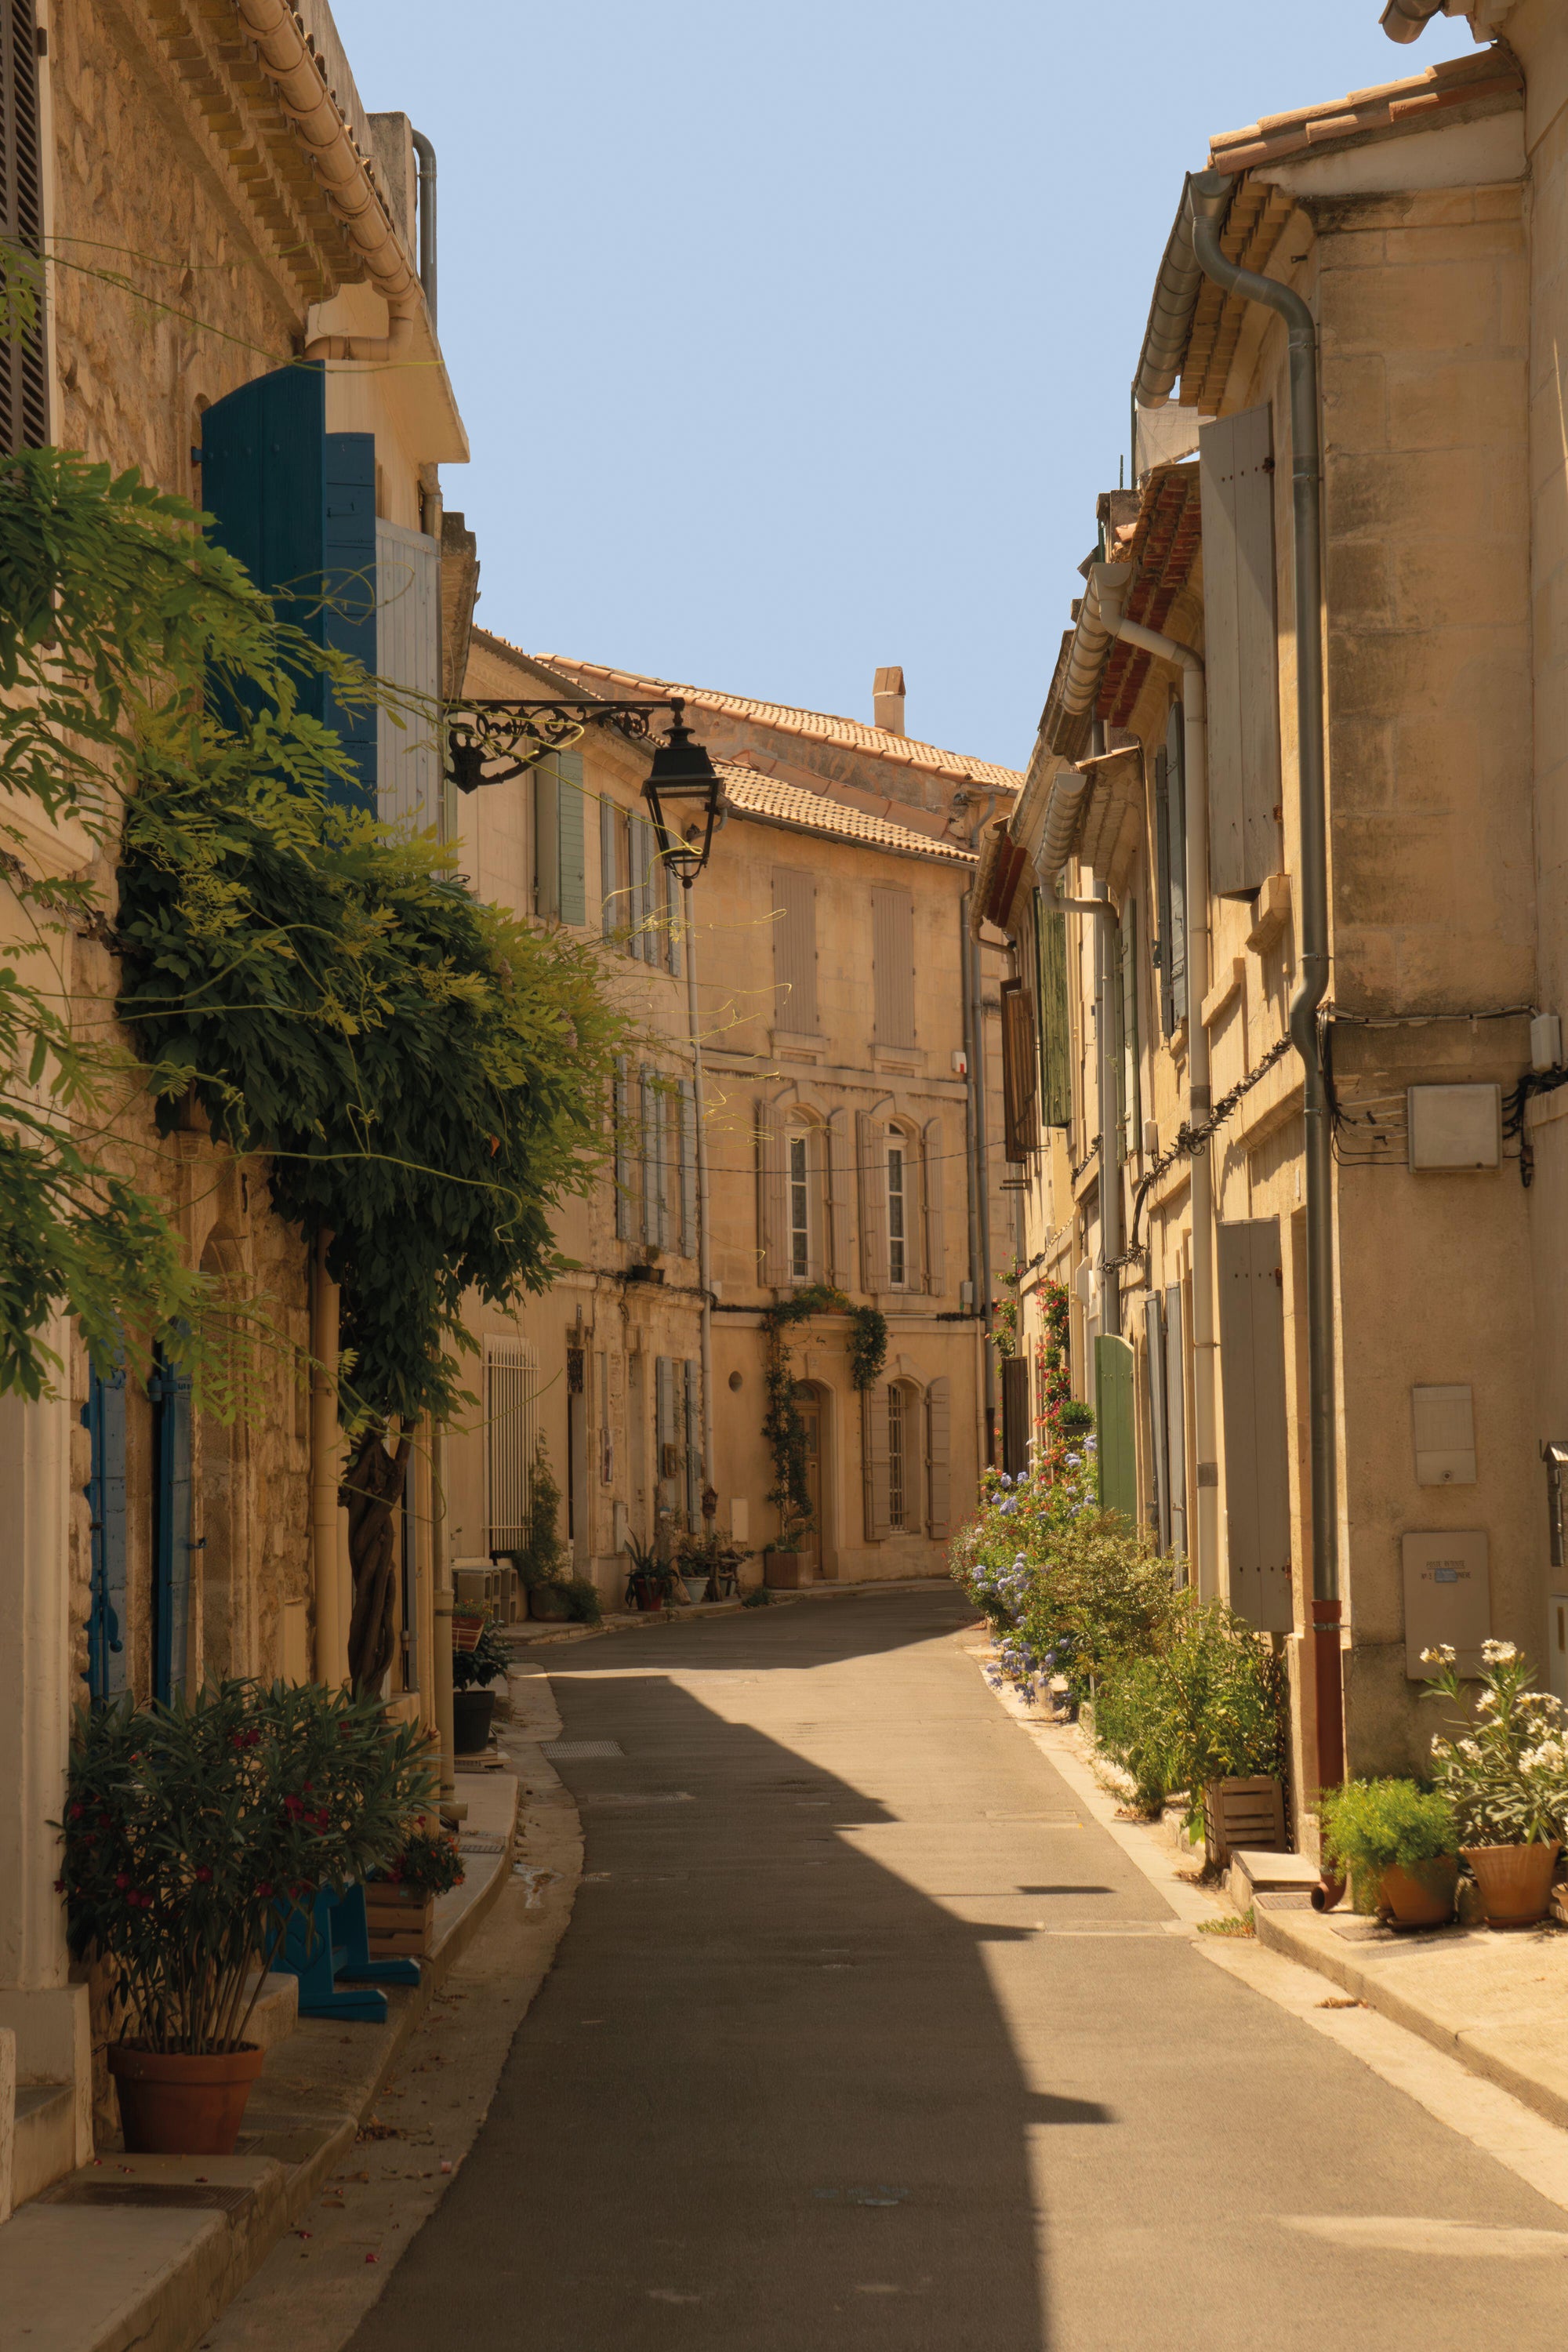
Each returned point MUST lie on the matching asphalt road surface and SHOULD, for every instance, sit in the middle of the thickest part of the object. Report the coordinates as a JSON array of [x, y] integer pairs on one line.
[[863, 2035]]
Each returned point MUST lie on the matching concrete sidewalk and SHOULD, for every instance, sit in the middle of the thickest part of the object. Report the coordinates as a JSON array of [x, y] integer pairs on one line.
[[1498, 2003], [145, 2251]]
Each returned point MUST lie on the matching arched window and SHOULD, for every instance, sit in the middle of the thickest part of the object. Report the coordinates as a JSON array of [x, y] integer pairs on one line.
[[895, 1437]]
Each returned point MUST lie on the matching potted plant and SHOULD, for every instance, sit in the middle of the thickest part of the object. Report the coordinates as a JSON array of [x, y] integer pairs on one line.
[[1505, 1775], [709, 1563], [649, 1579], [193, 1834], [473, 1701], [400, 1899], [1403, 1836]]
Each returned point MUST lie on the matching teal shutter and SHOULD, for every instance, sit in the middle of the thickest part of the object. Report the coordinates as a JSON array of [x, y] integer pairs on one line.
[[1115, 1427], [296, 506], [571, 902], [104, 1416], [171, 1396]]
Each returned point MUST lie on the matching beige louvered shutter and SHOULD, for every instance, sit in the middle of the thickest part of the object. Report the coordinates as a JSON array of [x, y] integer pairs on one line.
[[872, 1187], [1241, 649], [1257, 1434], [893, 961], [874, 1460], [770, 1197], [794, 950], [939, 1458], [1018, 1071], [933, 1155], [840, 1215]]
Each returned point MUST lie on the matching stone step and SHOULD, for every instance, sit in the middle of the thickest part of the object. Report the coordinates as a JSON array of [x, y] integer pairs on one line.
[[45, 2146]]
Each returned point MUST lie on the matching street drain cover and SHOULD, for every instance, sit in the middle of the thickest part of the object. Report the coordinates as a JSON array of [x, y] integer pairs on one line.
[[580, 1751]]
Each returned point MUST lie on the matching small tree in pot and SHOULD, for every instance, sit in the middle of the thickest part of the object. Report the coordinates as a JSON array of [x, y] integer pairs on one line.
[[1402, 1836], [192, 1832], [473, 1700]]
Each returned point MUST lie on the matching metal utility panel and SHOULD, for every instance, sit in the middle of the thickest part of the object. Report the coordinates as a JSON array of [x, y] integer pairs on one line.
[[1447, 1599], [1454, 1129], [1445, 1429]]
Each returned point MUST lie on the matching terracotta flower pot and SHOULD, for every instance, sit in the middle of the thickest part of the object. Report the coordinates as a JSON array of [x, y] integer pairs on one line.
[[1421, 1894], [1515, 1881], [172, 2104]]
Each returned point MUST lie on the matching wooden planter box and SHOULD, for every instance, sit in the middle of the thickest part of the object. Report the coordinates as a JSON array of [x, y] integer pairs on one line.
[[786, 1572], [399, 1922], [1249, 1814]]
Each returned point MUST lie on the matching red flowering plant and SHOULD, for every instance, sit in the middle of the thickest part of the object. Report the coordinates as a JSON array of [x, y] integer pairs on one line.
[[194, 1831], [428, 1863]]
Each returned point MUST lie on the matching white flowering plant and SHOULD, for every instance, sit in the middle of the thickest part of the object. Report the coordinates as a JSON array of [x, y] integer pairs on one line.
[[1504, 1768]]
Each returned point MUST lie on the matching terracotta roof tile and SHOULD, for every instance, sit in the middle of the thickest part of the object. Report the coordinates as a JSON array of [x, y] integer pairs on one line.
[[1162, 548], [771, 798], [1388, 106], [788, 721]]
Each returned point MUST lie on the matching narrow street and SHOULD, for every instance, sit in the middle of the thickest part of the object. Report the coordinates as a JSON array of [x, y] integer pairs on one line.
[[863, 2034]]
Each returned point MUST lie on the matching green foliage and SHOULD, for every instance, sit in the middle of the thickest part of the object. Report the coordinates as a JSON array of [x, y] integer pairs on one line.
[[759, 1597], [486, 1662], [1505, 1772], [1244, 1924], [545, 1557], [583, 1596], [429, 1863], [192, 1829], [1372, 1824], [1076, 1419], [1205, 1701], [783, 1428]]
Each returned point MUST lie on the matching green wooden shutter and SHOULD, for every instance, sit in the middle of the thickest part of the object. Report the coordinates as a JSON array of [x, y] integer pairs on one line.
[[171, 1396], [1115, 1427], [104, 1416], [571, 901], [612, 910], [1056, 1058]]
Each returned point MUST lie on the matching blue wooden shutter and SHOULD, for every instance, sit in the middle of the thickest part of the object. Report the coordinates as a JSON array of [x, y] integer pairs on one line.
[[103, 1415], [296, 506], [570, 892], [171, 1397]]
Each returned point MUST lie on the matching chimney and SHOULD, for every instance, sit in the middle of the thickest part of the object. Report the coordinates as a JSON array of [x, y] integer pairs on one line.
[[887, 701]]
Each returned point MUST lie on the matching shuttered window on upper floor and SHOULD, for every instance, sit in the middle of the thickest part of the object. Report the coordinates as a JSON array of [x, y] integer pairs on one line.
[[893, 966], [558, 881], [23, 382], [1171, 874], [408, 763], [1018, 1069], [1056, 1038], [1240, 650], [794, 950], [1128, 1044]]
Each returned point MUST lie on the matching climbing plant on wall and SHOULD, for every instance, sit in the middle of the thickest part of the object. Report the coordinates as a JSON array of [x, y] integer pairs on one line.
[[783, 1426]]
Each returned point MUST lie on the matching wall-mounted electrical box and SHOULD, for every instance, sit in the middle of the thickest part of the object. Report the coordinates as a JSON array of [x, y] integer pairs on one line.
[[1546, 1041], [1444, 1421], [1447, 1599], [1454, 1128]]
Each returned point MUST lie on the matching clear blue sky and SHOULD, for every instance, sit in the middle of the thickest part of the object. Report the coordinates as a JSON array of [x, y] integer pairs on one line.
[[793, 341]]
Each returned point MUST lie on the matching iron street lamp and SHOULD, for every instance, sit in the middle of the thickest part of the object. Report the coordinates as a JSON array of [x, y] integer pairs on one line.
[[683, 791]]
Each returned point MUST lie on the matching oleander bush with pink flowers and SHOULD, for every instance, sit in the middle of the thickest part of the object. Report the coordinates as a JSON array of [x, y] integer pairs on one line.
[[194, 1831]]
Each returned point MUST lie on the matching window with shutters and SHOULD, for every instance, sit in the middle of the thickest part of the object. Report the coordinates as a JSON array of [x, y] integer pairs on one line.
[[938, 1466], [1241, 658], [893, 966], [799, 1207], [614, 869], [24, 380], [559, 891], [408, 651], [794, 951], [1249, 1278], [511, 1383], [1125, 1009], [107, 1654], [898, 1228], [1018, 1062], [898, 1460], [1056, 1035]]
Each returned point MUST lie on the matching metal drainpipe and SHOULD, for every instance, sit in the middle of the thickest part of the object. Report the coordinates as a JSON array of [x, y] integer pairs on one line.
[[426, 155], [1108, 941], [981, 1176], [1195, 751], [326, 1471], [1208, 193]]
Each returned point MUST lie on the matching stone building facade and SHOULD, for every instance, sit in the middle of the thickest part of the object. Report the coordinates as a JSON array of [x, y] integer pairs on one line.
[[831, 938], [218, 217]]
